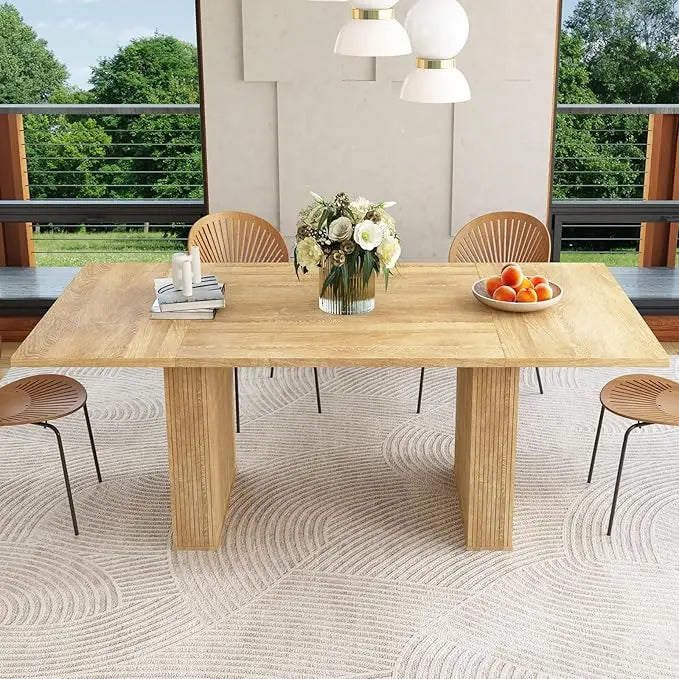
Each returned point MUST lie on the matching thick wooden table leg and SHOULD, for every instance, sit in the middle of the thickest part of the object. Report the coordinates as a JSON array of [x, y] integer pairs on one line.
[[485, 451], [202, 450]]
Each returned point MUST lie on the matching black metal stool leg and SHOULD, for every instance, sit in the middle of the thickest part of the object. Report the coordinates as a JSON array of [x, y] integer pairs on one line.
[[318, 391], [537, 372], [419, 396], [47, 425], [596, 445], [617, 480], [271, 374], [94, 450], [235, 387]]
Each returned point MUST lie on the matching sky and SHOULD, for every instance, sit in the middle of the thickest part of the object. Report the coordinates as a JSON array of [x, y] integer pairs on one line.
[[80, 32]]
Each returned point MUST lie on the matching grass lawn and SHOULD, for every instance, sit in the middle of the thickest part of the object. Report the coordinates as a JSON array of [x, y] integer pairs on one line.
[[615, 258], [76, 249]]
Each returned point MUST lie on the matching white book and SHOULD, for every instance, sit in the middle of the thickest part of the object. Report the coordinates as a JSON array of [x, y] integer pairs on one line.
[[185, 315]]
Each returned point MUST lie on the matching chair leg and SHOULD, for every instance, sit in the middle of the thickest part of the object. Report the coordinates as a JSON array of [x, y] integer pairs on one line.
[[617, 480], [537, 372], [318, 391], [271, 374], [94, 449], [47, 425], [419, 396], [235, 386], [596, 444]]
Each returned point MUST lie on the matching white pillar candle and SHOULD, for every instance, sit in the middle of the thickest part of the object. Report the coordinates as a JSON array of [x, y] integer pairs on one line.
[[177, 260], [187, 277], [195, 265]]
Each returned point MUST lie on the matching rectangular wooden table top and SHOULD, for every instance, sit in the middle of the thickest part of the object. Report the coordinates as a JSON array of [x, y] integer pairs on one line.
[[427, 318]]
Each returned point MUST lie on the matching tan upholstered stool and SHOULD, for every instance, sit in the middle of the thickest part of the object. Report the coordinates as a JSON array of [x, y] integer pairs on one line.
[[645, 398], [39, 399]]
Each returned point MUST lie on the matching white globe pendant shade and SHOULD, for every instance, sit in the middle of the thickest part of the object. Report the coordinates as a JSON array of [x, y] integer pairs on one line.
[[438, 30], [373, 32], [436, 86]]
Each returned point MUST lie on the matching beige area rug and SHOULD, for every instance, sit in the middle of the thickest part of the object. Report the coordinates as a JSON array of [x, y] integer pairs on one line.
[[343, 555]]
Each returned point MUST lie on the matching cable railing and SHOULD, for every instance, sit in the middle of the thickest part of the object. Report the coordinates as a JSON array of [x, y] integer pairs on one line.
[[601, 156], [102, 153]]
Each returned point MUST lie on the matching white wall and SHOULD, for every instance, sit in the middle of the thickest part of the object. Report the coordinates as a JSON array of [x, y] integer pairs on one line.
[[284, 115]]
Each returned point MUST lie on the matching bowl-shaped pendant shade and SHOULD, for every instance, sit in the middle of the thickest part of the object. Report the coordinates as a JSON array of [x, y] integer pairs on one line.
[[373, 32], [436, 86], [382, 38]]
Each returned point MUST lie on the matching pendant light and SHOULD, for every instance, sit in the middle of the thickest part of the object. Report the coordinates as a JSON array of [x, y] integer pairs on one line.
[[373, 31], [438, 30]]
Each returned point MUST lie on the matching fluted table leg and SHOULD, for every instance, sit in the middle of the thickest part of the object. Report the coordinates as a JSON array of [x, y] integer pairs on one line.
[[485, 452], [202, 453]]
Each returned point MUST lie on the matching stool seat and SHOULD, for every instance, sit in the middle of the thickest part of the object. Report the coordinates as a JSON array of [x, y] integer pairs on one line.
[[40, 398], [645, 398]]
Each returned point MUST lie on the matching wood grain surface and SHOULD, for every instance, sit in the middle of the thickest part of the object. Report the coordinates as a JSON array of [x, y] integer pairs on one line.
[[427, 318]]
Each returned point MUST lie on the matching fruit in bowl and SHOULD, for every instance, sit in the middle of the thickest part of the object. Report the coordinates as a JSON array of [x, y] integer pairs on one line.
[[512, 290]]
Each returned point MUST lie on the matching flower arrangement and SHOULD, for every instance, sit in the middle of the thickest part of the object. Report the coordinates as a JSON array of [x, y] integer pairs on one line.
[[348, 239]]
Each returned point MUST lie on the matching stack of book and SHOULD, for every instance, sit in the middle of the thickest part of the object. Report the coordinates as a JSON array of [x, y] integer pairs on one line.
[[207, 296]]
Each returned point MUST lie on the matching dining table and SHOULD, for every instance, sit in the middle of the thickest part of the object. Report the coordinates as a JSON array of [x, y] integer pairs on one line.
[[428, 317]]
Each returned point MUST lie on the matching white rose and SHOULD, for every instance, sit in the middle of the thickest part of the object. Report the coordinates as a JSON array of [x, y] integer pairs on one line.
[[368, 234], [309, 253], [340, 229], [389, 251]]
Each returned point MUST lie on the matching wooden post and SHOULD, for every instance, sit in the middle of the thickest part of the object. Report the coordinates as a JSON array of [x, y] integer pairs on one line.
[[16, 239], [658, 243]]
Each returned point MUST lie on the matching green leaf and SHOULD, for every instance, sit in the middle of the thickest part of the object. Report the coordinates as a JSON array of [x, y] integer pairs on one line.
[[387, 273], [345, 276], [330, 279], [368, 264]]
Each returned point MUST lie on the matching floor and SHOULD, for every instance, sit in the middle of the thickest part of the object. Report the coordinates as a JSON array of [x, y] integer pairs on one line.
[[343, 555]]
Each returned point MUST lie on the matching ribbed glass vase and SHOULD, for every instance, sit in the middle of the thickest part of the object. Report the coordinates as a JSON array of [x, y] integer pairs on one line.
[[345, 300]]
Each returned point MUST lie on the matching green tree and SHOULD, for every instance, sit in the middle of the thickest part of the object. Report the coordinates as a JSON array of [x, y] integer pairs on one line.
[[29, 72], [157, 156], [157, 70], [650, 23], [596, 156], [64, 157], [631, 49]]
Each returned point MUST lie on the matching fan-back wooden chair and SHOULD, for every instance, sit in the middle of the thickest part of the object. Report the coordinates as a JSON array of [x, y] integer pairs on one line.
[[499, 237], [40, 399], [225, 237], [648, 399]]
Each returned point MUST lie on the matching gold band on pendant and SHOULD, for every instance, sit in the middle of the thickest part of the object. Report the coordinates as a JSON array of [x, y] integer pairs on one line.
[[434, 64], [370, 14]]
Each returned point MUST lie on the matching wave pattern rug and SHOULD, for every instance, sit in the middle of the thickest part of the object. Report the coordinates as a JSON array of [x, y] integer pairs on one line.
[[343, 555]]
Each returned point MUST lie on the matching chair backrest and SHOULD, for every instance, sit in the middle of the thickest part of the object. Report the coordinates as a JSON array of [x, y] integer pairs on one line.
[[234, 237], [502, 237]]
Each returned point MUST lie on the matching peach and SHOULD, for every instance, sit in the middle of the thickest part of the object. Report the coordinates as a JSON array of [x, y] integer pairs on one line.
[[492, 284], [525, 283], [512, 276], [504, 294], [544, 292], [538, 280], [527, 295], [504, 266]]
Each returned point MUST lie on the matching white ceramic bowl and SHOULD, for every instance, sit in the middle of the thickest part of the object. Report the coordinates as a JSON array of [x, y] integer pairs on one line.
[[479, 290]]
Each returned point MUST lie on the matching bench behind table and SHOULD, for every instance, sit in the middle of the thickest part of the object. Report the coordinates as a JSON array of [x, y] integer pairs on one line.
[[25, 296], [654, 291]]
